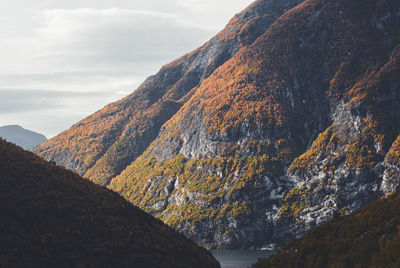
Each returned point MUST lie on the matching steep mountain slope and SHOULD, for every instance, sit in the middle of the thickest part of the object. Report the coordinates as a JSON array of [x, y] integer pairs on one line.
[[369, 237], [300, 124], [243, 164], [50, 217], [22, 137], [102, 145]]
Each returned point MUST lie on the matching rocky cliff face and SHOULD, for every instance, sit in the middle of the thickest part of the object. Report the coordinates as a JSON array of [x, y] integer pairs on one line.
[[354, 160], [298, 125]]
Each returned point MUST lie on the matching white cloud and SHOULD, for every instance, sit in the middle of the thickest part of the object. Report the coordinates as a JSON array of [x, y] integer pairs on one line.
[[98, 37], [74, 81]]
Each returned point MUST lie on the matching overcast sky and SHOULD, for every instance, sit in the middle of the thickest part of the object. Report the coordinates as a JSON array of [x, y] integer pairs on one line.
[[63, 60]]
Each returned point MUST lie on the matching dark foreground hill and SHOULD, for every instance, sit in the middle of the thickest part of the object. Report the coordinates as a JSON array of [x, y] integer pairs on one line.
[[21, 137], [51, 217], [369, 237], [286, 118]]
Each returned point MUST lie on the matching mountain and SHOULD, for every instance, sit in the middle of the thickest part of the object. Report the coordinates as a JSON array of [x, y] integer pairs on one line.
[[102, 145], [295, 125], [22, 137], [369, 237], [51, 217]]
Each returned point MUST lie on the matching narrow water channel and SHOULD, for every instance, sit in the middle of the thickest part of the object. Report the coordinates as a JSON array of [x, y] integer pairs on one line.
[[240, 258]]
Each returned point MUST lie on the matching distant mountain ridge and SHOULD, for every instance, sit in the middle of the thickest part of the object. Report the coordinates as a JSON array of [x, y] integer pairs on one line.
[[291, 127], [21, 136], [51, 217]]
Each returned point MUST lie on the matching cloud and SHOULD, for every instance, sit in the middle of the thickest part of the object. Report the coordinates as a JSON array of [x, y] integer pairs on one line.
[[104, 38], [111, 81], [88, 39], [28, 100]]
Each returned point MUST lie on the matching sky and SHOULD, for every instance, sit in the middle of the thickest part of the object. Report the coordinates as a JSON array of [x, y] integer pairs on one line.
[[63, 60]]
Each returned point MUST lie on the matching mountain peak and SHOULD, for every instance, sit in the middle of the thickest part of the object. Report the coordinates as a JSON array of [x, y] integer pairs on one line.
[[12, 127], [21, 136]]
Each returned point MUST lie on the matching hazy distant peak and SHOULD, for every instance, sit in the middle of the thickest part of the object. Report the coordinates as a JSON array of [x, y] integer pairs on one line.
[[21, 136]]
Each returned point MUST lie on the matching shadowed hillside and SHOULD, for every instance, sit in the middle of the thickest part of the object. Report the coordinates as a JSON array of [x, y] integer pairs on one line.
[[51, 217]]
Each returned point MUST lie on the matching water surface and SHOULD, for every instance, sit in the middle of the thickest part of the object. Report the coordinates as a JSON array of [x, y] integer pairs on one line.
[[240, 258]]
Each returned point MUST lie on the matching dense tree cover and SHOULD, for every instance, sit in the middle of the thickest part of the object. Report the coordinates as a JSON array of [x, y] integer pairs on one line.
[[369, 237], [51, 217]]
